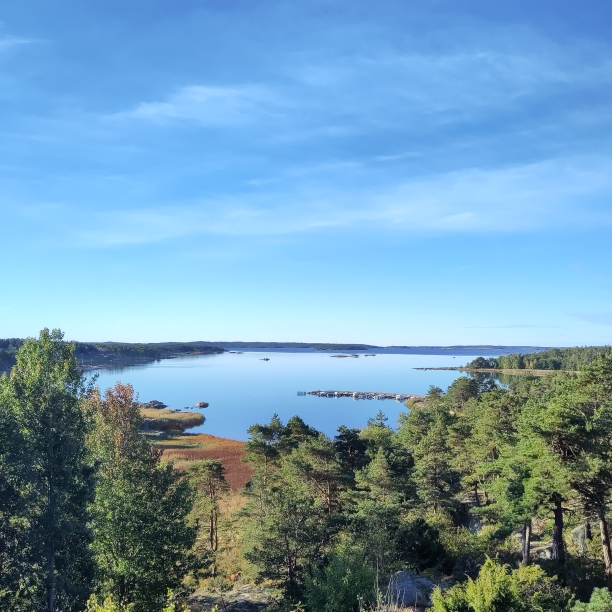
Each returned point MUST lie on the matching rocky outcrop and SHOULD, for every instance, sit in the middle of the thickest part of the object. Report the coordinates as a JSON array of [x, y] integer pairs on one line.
[[409, 589], [154, 404], [202, 405], [245, 598]]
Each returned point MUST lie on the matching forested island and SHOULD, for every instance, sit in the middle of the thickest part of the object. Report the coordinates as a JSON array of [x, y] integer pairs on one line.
[[573, 359], [480, 499]]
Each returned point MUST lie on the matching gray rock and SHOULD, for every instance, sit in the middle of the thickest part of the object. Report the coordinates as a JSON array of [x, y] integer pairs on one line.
[[408, 589], [154, 404], [542, 550], [202, 405], [579, 535]]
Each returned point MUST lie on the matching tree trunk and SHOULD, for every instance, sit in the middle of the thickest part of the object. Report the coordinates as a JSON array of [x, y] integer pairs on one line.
[[605, 542], [526, 541], [588, 535], [216, 530], [51, 524], [558, 548], [51, 584], [211, 535]]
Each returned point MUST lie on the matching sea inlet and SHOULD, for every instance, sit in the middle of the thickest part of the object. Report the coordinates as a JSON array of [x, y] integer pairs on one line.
[[242, 389]]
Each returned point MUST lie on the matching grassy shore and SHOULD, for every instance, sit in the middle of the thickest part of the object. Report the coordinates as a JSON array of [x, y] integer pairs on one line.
[[168, 419], [183, 449]]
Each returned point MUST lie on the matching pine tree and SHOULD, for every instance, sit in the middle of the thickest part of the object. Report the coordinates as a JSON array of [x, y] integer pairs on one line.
[[425, 433], [208, 479]]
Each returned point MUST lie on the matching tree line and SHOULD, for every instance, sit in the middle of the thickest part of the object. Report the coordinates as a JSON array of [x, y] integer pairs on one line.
[[99, 352], [509, 488], [499, 494], [573, 358]]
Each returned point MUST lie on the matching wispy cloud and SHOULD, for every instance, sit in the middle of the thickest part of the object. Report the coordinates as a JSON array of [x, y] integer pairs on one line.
[[208, 105], [595, 318], [9, 42], [520, 326], [536, 197]]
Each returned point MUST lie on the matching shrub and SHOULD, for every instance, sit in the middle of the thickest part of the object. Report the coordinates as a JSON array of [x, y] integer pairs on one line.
[[601, 601], [497, 589], [343, 585], [108, 605]]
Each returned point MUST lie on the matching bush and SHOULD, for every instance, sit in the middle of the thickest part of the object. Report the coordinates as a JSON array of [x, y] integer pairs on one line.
[[601, 601], [343, 585], [421, 547], [497, 589], [108, 605]]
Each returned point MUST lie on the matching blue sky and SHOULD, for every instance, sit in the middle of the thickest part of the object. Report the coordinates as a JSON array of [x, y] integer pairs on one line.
[[400, 172]]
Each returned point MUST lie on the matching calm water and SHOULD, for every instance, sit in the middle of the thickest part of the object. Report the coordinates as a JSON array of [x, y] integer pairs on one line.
[[242, 390]]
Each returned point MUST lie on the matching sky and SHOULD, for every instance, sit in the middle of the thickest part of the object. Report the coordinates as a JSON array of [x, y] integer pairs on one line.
[[400, 172]]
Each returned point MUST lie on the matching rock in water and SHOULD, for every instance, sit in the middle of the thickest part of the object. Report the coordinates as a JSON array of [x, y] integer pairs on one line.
[[407, 589], [154, 404], [202, 405]]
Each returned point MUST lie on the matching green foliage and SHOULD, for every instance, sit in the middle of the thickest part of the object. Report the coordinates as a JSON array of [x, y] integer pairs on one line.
[[53, 468], [601, 601], [209, 482], [345, 584], [141, 536], [291, 535], [107, 605], [497, 589], [14, 471], [575, 358]]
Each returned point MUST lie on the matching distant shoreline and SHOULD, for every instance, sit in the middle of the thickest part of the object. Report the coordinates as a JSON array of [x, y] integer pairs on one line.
[[496, 370]]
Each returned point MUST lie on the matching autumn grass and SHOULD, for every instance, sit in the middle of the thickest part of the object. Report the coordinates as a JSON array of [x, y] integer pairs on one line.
[[186, 449], [168, 419]]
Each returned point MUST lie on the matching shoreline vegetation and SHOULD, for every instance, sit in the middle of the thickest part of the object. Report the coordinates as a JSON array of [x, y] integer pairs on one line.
[[530, 372], [479, 494], [571, 359]]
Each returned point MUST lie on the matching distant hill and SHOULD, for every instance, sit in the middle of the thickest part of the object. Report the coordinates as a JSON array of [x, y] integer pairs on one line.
[[331, 346], [100, 354]]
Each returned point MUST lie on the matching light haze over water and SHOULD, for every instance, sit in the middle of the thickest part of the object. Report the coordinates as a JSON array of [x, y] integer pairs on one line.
[[242, 389]]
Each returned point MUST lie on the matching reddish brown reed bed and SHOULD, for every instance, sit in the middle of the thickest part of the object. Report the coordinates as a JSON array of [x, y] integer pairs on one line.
[[196, 447]]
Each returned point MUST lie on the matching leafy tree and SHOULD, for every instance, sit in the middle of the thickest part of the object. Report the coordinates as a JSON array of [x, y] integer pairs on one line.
[[47, 389], [141, 538], [15, 560]]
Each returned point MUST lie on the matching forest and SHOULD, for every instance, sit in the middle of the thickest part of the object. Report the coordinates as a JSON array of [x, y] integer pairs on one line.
[[496, 497], [572, 359], [105, 353]]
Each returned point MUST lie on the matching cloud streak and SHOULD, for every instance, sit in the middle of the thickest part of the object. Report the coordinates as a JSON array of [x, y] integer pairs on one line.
[[537, 197], [595, 318], [206, 105]]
